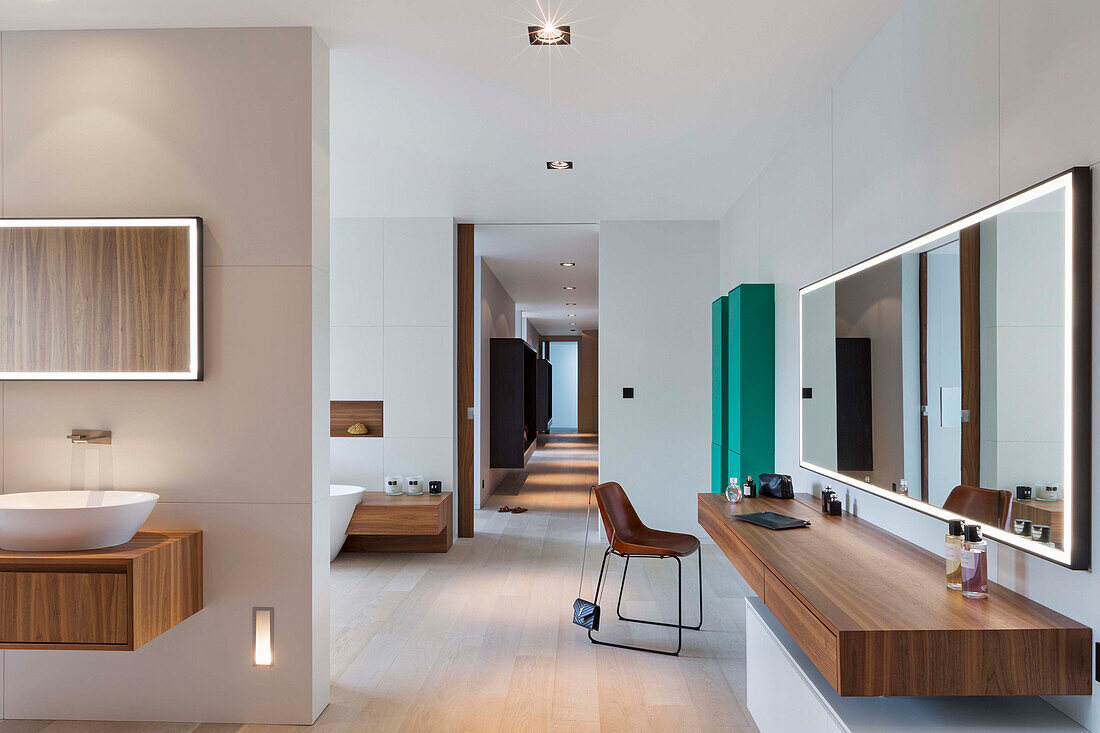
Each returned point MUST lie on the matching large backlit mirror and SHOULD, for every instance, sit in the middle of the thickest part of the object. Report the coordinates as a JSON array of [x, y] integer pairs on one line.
[[952, 373], [101, 298]]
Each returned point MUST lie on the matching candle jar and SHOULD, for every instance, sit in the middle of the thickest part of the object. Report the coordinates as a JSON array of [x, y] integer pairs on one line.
[[395, 485], [415, 486]]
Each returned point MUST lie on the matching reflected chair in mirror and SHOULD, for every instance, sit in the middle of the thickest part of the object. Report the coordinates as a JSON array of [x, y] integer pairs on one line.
[[988, 506], [630, 538]]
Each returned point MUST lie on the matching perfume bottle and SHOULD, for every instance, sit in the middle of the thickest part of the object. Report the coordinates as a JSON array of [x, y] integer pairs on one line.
[[827, 495], [975, 581], [750, 488], [733, 491], [953, 553], [903, 487]]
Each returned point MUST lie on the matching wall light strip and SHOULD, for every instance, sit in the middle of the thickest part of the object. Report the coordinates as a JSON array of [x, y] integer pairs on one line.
[[194, 239], [1064, 183]]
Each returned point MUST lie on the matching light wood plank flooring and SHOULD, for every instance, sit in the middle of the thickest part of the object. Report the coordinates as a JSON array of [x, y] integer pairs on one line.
[[481, 639]]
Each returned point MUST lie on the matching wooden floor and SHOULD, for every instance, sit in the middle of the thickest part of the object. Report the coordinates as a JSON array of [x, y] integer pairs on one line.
[[481, 639]]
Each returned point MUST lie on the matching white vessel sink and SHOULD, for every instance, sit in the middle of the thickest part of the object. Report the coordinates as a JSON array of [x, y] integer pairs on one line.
[[58, 521]]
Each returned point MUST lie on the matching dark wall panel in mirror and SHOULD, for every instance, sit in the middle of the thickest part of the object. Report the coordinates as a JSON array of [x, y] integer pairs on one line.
[[100, 298], [952, 373]]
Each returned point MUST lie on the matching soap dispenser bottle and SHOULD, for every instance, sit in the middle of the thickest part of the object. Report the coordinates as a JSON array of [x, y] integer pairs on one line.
[[954, 539], [750, 488], [975, 579]]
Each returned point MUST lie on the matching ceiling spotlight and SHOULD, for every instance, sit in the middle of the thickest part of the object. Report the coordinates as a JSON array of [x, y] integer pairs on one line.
[[548, 35], [570, 287], [568, 264], [559, 165], [570, 315], [570, 303], [571, 323]]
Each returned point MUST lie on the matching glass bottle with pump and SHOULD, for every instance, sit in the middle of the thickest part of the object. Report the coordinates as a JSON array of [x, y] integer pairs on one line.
[[733, 491], [975, 578], [953, 553]]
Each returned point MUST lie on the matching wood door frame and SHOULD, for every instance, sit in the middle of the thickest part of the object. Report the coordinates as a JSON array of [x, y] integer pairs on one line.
[[464, 357], [970, 345]]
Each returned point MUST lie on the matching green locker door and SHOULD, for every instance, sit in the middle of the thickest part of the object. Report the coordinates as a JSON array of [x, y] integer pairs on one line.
[[718, 360], [718, 463], [757, 422], [733, 371]]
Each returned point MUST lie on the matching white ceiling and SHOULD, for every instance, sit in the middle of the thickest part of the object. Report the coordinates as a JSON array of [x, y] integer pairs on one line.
[[667, 107], [526, 259]]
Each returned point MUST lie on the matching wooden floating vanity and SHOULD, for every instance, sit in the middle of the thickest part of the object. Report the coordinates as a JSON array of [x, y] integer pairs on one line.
[[117, 598], [873, 613]]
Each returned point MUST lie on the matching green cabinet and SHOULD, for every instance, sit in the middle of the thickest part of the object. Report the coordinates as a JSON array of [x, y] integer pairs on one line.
[[745, 351], [719, 328]]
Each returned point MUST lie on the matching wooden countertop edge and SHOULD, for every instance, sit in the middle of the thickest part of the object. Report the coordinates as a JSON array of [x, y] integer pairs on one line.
[[120, 556], [1056, 620]]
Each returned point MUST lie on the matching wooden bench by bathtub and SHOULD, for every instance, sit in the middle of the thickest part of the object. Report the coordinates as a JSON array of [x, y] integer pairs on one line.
[[404, 523]]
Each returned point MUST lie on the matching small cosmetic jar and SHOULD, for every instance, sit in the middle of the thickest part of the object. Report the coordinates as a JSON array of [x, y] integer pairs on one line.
[[1022, 527], [1023, 493]]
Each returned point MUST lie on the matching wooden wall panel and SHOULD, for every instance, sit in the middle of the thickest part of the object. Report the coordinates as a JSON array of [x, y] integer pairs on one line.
[[345, 413], [970, 336], [464, 335], [94, 299]]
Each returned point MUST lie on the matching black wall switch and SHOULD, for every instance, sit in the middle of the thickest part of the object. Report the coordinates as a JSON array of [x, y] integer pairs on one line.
[[807, 393], [628, 393]]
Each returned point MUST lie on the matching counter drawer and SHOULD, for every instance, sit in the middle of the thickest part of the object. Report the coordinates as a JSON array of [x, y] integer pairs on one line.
[[748, 564], [64, 608], [815, 638]]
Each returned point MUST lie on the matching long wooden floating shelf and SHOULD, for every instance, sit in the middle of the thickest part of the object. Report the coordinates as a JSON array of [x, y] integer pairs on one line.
[[873, 612]]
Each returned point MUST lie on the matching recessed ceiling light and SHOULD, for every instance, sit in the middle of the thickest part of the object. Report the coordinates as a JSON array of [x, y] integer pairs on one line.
[[568, 264], [570, 303], [570, 315], [570, 287], [571, 323], [559, 165], [572, 330], [548, 35]]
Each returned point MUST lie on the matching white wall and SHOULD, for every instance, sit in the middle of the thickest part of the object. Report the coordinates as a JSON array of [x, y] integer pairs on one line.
[[393, 309], [655, 283], [230, 125], [497, 319], [950, 107]]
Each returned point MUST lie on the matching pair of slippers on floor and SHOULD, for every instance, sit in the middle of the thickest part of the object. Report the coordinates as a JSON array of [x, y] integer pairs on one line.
[[513, 509]]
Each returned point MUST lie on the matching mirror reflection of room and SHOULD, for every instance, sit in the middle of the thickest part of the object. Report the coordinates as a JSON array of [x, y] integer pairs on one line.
[[940, 373]]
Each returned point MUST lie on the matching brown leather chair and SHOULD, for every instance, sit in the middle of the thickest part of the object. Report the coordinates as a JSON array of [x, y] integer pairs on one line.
[[988, 506], [629, 537]]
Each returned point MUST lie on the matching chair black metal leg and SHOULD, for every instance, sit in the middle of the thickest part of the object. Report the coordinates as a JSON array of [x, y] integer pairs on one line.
[[679, 626], [697, 627]]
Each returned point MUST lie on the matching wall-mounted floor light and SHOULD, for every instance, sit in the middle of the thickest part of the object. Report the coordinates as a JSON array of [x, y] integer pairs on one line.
[[263, 637]]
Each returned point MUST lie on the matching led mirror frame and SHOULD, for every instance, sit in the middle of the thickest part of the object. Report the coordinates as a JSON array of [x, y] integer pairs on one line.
[[1076, 184], [194, 237]]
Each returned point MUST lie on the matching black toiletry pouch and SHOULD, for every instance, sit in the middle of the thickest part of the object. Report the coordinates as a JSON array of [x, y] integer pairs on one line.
[[776, 485], [586, 614]]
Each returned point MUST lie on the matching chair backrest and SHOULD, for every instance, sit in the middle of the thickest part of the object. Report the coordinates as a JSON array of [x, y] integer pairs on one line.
[[618, 515], [988, 506]]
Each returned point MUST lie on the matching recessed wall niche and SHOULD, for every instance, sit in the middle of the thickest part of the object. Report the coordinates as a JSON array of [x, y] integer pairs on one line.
[[117, 298]]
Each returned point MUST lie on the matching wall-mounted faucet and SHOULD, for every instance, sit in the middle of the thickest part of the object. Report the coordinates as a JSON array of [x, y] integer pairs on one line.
[[84, 437]]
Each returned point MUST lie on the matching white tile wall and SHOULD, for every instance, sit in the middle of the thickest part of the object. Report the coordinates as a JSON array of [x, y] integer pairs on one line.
[[357, 257], [356, 362], [395, 345], [418, 272], [419, 382]]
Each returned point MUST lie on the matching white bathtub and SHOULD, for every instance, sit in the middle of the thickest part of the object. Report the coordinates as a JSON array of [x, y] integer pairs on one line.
[[341, 507]]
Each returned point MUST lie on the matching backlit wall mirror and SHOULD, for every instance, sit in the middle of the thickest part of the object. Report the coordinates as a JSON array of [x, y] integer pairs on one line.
[[952, 373], [101, 298]]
